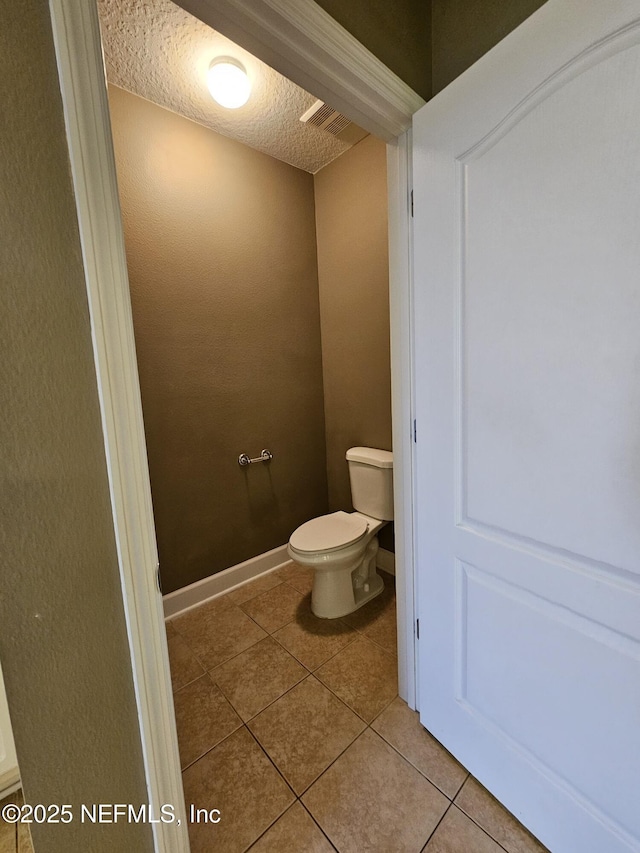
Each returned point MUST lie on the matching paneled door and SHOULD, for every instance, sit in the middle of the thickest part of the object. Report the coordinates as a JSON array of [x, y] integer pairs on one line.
[[527, 388]]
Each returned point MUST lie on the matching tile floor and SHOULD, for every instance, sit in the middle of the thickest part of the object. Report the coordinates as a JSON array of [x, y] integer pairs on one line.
[[14, 838], [292, 727]]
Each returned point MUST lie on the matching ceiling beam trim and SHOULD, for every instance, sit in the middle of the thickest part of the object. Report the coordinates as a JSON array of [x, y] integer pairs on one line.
[[304, 43]]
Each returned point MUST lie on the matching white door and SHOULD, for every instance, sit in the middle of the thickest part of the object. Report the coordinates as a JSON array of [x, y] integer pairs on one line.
[[527, 356]]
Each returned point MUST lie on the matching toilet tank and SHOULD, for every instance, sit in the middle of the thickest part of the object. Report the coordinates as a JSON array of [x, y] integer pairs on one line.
[[371, 475]]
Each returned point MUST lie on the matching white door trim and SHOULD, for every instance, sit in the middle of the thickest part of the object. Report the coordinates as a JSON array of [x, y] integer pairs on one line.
[[82, 82], [399, 179], [315, 51]]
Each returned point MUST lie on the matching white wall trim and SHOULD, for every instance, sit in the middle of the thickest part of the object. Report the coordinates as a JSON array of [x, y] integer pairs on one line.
[[82, 82], [400, 289], [300, 40], [386, 561], [222, 582], [214, 585], [9, 782]]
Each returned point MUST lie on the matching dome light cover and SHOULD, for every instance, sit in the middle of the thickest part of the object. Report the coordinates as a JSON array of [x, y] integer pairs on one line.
[[228, 82]]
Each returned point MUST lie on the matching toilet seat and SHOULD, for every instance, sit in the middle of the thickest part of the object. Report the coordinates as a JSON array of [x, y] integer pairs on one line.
[[329, 532]]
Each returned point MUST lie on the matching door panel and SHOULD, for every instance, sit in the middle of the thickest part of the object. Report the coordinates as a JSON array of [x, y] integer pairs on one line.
[[549, 225], [527, 364]]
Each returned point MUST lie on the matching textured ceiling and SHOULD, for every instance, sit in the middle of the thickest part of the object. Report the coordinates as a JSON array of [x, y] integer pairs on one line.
[[155, 49]]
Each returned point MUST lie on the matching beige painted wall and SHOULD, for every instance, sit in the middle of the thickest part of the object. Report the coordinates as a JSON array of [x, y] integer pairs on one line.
[[353, 272], [221, 252], [63, 639], [396, 32]]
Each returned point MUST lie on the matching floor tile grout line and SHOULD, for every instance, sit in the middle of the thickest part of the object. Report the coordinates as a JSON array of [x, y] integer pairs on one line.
[[211, 748], [282, 695], [365, 721], [261, 640], [272, 824], [311, 672], [193, 680], [280, 773], [356, 633], [486, 831], [320, 665], [304, 595], [334, 694], [464, 781], [298, 659], [268, 705], [333, 761], [251, 734], [187, 683], [219, 596], [435, 828], [327, 768], [209, 668], [411, 764], [320, 775], [252, 580], [415, 767], [317, 824], [268, 633]]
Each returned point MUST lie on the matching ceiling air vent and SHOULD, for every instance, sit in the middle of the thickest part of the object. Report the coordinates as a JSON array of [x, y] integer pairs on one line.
[[323, 116]]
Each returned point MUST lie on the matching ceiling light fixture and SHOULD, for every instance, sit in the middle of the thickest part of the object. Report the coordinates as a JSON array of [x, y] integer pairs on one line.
[[228, 82]]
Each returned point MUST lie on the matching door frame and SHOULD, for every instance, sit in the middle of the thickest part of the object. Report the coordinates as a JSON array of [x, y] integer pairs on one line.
[[303, 42]]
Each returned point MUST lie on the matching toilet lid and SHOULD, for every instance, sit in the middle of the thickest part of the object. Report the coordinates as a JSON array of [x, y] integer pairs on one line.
[[329, 532]]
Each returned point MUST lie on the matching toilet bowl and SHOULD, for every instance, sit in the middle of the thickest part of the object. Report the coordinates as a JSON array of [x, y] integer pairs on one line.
[[342, 547]]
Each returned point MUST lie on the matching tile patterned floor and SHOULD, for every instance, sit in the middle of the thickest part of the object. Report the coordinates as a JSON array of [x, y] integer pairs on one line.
[[15, 838], [291, 726]]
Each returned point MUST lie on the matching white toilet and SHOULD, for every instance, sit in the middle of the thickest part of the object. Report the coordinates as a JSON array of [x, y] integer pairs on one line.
[[342, 546]]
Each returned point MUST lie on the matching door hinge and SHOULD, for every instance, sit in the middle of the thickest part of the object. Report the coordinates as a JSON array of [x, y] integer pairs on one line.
[[417, 629], [158, 579], [412, 203], [415, 431]]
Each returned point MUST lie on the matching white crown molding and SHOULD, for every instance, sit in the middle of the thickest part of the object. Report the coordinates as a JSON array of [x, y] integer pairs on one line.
[[300, 40], [84, 95]]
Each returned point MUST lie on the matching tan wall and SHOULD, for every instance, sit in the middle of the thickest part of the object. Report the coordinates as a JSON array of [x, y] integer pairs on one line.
[[397, 32], [464, 30], [222, 263], [63, 640], [353, 271]]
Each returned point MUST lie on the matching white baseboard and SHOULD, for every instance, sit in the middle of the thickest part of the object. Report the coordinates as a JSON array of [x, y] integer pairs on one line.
[[9, 782], [386, 560], [213, 586], [224, 581]]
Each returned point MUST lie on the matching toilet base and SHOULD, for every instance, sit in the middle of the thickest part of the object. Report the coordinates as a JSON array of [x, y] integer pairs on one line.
[[339, 592]]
